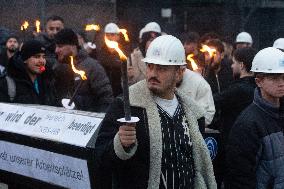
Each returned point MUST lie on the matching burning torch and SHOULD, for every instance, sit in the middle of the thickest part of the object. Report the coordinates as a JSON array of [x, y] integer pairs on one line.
[[69, 103], [192, 62], [24, 28], [124, 33], [37, 23], [90, 27], [127, 112], [211, 52]]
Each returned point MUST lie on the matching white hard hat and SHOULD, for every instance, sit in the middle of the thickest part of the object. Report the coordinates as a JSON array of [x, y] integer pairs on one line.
[[111, 28], [152, 27], [141, 33], [244, 37], [165, 50], [268, 60], [279, 43]]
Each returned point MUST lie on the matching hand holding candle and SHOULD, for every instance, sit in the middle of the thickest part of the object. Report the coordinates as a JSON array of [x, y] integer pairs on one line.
[[123, 58]]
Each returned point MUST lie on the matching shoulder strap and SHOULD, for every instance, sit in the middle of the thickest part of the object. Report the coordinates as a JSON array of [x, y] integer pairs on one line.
[[11, 87]]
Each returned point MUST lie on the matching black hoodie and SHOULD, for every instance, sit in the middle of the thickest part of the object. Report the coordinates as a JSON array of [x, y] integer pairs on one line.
[[25, 90]]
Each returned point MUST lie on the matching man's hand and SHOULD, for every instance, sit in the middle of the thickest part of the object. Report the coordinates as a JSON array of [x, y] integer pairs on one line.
[[127, 134]]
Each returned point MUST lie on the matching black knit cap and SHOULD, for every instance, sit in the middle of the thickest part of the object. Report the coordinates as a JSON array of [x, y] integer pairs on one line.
[[66, 37], [31, 48], [12, 36]]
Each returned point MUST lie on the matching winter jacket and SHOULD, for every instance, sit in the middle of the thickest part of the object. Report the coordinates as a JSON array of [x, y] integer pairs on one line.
[[138, 68], [232, 101], [222, 80], [255, 154], [140, 166], [197, 88], [25, 90], [111, 63], [95, 93]]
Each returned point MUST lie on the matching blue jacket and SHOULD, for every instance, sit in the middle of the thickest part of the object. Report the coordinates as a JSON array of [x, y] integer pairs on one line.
[[255, 151]]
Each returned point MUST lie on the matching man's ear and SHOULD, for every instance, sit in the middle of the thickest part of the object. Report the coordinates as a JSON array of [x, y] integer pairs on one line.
[[258, 82]]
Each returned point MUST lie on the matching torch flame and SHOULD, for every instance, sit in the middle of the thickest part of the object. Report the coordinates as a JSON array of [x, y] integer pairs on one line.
[[211, 52], [124, 32], [192, 62], [37, 23], [25, 25], [90, 27], [114, 45], [80, 72]]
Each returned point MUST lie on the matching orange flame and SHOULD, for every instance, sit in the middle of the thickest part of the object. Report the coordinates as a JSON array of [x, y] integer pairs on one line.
[[114, 45], [25, 25], [211, 52], [80, 72], [90, 27], [37, 23], [192, 62], [124, 32]]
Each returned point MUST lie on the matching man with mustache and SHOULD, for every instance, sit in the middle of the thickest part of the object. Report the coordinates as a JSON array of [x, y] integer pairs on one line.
[[165, 148], [11, 46]]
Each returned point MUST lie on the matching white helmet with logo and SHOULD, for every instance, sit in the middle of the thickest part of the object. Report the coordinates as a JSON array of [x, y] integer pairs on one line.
[[111, 28], [152, 27], [268, 60], [244, 37], [165, 50], [279, 43]]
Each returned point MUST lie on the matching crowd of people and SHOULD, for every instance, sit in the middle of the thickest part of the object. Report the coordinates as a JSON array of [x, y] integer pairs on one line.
[[178, 86]]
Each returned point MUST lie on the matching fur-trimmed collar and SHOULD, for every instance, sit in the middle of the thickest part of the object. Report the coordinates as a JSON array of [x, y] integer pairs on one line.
[[141, 96]]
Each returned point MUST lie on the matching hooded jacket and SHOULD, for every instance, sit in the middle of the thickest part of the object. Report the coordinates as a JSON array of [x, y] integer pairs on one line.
[[95, 93], [255, 157], [25, 90], [140, 167]]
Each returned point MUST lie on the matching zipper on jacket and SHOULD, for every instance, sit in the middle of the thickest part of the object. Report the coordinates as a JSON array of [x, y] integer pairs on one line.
[[219, 89]]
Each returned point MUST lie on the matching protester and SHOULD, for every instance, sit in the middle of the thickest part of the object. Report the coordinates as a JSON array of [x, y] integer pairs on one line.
[[53, 25], [254, 153], [197, 88], [95, 94], [279, 44], [27, 82], [218, 73], [243, 40], [233, 100], [165, 148], [136, 67], [11, 46]]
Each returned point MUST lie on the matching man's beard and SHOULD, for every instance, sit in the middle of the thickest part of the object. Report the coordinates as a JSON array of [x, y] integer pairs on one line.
[[12, 50]]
